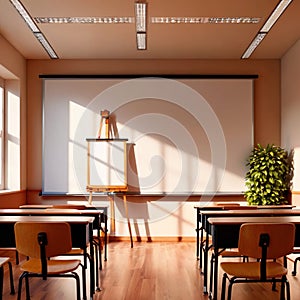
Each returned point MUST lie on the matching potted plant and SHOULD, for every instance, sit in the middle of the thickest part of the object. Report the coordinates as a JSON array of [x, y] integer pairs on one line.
[[270, 174]]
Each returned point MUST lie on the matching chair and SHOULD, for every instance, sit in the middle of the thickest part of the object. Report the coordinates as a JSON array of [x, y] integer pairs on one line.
[[265, 242], [97, 244], [224, 253], [40, 241]]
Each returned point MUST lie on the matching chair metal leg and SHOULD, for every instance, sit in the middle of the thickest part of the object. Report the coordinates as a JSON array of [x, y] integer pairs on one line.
[[294, 272], [230, 289], [282, 290], [223, 291], [23, 275], [75, 275], [83, 282], [11, 279], [27, 287], [20, 286], [288, 292]]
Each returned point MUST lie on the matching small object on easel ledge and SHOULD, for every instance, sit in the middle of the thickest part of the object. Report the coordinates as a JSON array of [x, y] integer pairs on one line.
[[104, 118]]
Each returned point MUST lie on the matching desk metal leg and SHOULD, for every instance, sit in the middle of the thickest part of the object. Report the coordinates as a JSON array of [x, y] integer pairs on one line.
[[205, 267], [1, 281], [197, 234], [202, 243], [105, 236], [92, 264]]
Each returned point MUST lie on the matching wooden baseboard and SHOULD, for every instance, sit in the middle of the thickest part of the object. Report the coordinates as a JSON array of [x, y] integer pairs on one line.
[[112, 239]]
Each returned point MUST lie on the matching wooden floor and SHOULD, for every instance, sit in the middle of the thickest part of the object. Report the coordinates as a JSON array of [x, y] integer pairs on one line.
[[149, 271]]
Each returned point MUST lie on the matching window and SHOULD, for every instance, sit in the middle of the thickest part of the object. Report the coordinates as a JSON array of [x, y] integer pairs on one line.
[[9, 134]]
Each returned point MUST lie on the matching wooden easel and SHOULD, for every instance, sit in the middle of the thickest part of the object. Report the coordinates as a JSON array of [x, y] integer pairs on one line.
[[110, 190], [105, 114]]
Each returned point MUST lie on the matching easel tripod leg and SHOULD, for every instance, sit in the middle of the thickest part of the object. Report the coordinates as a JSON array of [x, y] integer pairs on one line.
[[128, 220]]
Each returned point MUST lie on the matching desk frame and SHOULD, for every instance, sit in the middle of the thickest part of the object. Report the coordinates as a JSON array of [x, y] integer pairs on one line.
[[225, 234]]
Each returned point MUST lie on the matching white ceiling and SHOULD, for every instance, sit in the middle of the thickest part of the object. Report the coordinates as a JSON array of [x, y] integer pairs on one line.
[[164, 41]]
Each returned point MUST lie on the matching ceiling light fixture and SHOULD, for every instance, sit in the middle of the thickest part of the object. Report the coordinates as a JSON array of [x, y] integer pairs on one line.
[[25, 15], [141, 40], [140, 24], [204, 20], [84, 20], [281, 7], [41, 38], [254, 44], [33, 27], [140, 16], [277, 12]]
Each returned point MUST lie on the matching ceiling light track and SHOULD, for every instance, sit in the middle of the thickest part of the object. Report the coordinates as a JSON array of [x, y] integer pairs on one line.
[[275, 15], [34, 28]]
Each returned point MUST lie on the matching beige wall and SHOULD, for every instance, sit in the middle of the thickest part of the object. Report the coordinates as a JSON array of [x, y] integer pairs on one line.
[[290, 66]]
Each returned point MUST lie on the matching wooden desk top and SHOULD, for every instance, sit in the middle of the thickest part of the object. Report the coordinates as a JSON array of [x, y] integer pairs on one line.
[[68, 219], [231, 206], [241, 220], [49, 211], [38, 206], [252, 212], [44, 206]]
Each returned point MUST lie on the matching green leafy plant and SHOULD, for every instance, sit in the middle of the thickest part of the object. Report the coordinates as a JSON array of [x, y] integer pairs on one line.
[[270, 174]]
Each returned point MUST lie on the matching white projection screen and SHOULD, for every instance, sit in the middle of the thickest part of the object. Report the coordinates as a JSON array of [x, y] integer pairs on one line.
[[186, 134]]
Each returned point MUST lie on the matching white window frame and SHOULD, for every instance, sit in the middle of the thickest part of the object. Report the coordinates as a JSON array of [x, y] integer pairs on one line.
[[2, 134]]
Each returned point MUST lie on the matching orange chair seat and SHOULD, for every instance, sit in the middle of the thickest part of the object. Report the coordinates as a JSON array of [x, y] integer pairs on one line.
[[252, 269], [54, 266]]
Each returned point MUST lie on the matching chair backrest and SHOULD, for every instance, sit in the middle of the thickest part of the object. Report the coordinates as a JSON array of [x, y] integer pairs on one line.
[[58, 235], [280, 239]]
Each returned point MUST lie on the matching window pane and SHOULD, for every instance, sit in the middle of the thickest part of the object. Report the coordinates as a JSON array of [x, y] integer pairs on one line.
[[1, 138]]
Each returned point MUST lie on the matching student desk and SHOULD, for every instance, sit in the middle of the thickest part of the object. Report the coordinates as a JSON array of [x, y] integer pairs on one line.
[[81, 231], [203, 213], [240, 212], [225, 234], [224, 206]]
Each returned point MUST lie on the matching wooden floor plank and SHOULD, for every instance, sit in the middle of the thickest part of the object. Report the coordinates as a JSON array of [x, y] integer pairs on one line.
[[156, 271]]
